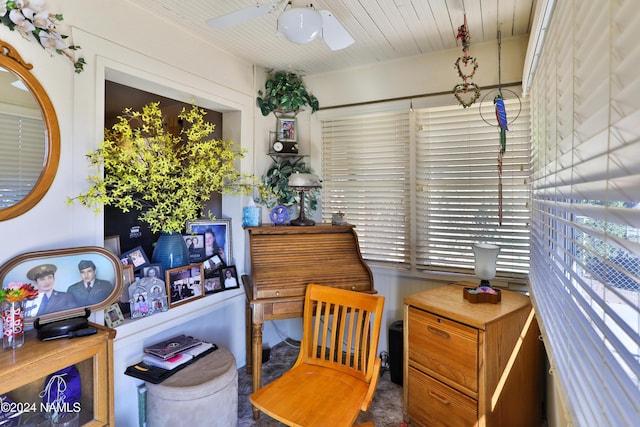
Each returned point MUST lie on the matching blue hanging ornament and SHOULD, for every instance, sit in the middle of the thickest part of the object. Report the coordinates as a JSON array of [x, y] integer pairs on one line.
[[501, 116]]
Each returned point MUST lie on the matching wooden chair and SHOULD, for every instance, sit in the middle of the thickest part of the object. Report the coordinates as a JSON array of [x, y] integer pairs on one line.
[[337, 369]]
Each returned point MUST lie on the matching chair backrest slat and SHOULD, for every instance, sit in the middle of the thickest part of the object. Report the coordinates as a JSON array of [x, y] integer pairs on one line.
[[342, 329]]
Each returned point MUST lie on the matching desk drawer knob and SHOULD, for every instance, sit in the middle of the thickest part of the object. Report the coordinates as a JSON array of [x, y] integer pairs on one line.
[[277, 293], [353, 288]]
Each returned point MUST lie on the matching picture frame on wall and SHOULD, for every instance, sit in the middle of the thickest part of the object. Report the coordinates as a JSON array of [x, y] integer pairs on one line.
[[216, 236], [287, 129], [184, 284]]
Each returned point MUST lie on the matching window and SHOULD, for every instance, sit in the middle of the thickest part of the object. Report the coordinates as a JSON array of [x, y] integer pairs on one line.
[[585, 272], [423, 186]]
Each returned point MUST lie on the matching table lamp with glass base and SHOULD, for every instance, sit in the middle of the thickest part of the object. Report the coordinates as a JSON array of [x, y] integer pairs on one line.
[[302, 182], [486, 257]]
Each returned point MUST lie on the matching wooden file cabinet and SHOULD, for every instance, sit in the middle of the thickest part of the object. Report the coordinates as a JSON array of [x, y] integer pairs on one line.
[[23, 372], [471, 364]]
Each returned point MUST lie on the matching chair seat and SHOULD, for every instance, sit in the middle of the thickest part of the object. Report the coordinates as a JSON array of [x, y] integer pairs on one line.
[[317, 396]]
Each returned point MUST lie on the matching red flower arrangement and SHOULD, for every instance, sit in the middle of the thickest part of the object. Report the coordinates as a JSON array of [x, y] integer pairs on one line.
[[18, 291]]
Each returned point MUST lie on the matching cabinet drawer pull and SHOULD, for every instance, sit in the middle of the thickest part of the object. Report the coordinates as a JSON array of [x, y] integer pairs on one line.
[[442, 399], [440, 332]]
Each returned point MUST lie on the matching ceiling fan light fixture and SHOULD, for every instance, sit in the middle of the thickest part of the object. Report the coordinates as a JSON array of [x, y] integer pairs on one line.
[[300, 25]]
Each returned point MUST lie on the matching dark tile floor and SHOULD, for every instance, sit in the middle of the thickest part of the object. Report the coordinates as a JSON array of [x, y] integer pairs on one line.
[[385, 410]]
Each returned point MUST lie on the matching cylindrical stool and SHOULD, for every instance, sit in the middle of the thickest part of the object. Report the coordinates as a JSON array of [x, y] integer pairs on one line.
[[204, 393]]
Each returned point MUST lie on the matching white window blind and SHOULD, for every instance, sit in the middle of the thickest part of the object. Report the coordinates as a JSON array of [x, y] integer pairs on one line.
[[458, 185], [422, 186], [585, 274], [365, 176], [22, 144]]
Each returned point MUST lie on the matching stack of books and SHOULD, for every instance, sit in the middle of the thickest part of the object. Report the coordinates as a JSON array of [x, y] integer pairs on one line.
[[174, 352], [163, 359]]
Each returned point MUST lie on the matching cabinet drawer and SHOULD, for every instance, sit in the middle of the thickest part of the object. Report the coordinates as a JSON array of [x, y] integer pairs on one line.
[[432, 403], [445, 349]]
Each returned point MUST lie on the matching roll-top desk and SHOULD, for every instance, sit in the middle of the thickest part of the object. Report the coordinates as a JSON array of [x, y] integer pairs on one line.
[[284, 260]]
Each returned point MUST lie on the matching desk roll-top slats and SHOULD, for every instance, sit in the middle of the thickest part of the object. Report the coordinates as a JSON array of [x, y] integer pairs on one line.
[[284, 260]]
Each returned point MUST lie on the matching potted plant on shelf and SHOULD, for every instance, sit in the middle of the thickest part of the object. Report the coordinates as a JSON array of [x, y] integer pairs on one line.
[[166, 177], [285, 93], [276, 190]]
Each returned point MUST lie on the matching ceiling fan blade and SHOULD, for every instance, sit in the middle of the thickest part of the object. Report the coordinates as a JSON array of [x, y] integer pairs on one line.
[[242, 15], [333, 33]]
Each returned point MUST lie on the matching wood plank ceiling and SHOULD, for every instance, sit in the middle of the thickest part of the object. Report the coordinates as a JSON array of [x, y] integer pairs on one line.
[[383, 30]]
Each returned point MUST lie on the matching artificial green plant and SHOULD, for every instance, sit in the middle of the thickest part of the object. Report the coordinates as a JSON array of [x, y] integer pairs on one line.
[[284, 92], [167, 178], [276, 190]]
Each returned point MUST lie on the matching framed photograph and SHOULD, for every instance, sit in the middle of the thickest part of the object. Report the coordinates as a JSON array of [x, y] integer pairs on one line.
[[153, 270], [212, 267], [287, 129], [195, 245], [113, 316], [128, 277], [229, 277], [216, 237], [213, 284], [147, 296], [112, 244], [184, 284], [135, 257], [68, 281]]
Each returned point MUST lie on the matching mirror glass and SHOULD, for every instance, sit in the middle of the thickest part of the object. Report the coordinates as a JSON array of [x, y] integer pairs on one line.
[[29, 136], [22, 139]]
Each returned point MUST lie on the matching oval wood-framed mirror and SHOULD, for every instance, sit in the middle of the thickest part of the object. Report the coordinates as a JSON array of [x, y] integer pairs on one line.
[[14, 65]]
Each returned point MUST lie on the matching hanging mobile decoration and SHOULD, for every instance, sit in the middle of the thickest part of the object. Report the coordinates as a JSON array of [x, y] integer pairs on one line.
[[503, 123], [466, 92]]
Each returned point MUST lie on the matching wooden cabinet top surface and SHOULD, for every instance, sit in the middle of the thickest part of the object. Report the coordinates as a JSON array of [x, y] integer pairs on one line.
[[34, 354], [294, 229], [448, 301]]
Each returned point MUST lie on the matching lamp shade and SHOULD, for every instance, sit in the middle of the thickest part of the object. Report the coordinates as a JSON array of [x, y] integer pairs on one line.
[[485, 261], [304, 180], [300, 24]]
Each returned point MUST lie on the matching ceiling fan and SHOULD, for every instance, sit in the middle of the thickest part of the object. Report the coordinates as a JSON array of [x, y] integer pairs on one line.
[[298, 24]]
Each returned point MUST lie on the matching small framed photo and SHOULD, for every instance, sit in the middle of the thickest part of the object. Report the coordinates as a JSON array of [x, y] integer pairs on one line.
[[184, 284], [112, 244], [113, 315], [128, 277], [195, 245], [287, 129], [229, 277], [212, 267], [135, 257], [216, 237], [213, 285], [153, 270]]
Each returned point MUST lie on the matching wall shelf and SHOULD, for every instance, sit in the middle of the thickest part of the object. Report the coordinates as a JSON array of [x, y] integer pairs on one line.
[[278, 156]]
